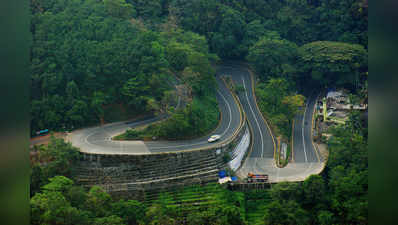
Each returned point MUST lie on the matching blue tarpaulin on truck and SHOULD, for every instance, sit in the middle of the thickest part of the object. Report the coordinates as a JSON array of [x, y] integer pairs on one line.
[[222, 174]]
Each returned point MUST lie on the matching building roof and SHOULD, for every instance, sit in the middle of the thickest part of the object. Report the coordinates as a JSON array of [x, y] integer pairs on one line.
[[334, 94]]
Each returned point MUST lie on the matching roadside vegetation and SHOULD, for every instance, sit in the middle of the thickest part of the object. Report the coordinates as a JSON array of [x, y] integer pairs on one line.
[[55, 159], [62, 201], [196, 119], [279, 103]]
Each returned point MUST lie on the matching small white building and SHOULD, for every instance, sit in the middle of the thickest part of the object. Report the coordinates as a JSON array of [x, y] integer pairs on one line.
[[335, 94]]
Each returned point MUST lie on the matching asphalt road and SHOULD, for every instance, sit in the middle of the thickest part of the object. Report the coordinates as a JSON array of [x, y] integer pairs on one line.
[[98, 139], [303, 149], [261, 157], [228, 125], [263, 146]]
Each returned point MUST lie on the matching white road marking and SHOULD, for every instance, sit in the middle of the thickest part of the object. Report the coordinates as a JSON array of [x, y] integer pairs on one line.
[[85, 140], [230, 113], [255, 118]]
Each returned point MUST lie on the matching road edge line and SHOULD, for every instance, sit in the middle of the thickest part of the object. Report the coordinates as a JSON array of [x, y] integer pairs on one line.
[[242, 116], [312, 129], [262, 116]]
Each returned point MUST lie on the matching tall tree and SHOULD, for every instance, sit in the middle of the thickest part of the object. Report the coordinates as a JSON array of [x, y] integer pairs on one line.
[[135, 92], [333, 63], [273, 57], [293, 105], [98, 201]]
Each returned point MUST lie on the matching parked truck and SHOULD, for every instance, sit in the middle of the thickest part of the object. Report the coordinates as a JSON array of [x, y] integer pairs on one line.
[[257, 178]]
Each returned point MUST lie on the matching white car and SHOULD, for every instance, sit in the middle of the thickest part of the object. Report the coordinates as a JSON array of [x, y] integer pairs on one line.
[[214, 138]]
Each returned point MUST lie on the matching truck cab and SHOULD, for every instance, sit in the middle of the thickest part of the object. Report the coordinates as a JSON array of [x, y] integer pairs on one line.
[[257, 178]]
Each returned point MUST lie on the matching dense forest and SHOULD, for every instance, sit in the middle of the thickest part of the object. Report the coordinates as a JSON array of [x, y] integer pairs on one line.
[[88, 55], [92, 58]]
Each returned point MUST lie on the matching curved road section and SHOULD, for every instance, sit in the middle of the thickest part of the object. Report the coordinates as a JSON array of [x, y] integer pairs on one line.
[[306, 160], [99, 139], [261, 158]]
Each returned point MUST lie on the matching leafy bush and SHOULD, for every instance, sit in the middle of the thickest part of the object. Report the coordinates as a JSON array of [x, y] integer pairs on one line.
[[132, 134], [58, 158], [198, 118], [279, 104]]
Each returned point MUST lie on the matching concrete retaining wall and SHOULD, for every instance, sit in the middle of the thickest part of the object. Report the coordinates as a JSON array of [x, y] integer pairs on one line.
[[240, 151], [125, 173]]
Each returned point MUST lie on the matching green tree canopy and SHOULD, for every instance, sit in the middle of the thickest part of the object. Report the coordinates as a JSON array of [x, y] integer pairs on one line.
[[119, 8], [333, 63], [279, 103], [132, 211], [293, 105], [58, 183], [98, 201], [288, 212], [273, 57], [109, 220], [314, 190], [52, 207]]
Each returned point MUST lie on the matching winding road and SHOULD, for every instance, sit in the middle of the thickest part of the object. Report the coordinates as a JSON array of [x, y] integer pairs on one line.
[[261, 159], [306, 160], [99, 139]]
